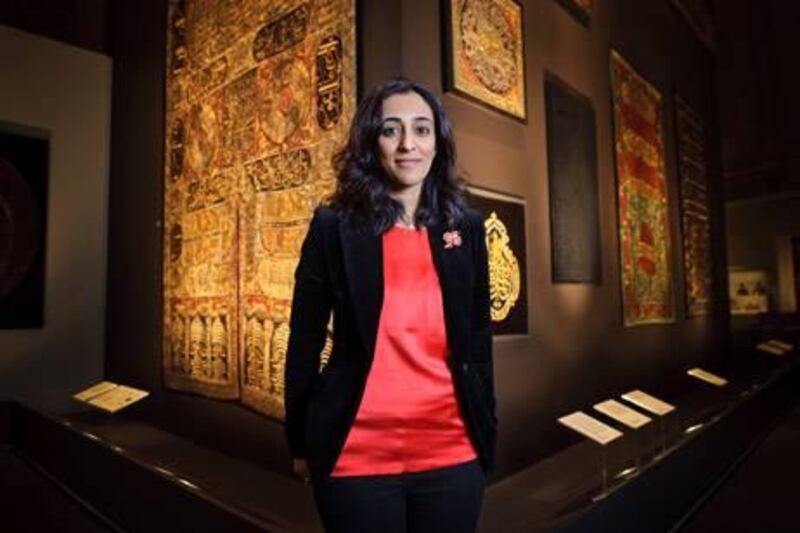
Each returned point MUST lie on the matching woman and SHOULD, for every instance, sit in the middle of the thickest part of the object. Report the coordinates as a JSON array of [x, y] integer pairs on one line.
[[398, 429]]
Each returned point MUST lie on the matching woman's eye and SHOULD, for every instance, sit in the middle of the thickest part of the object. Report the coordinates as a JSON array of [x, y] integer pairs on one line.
[[389, 131], [423, 130]]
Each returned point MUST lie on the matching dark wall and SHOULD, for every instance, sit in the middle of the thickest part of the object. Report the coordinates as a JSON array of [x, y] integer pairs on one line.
[[577, 351], [758, 79], [77, 22]]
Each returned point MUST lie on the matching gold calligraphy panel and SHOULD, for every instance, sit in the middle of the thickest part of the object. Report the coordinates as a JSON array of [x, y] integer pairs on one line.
[[504, 223], [259, 97], [485, 53], [643, 210]]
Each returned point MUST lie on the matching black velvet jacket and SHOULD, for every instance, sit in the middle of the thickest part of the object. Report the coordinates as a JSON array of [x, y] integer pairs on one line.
[[341, 270]]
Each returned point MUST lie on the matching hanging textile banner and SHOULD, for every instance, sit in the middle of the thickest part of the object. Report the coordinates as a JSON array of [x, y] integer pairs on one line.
[[643, 210]]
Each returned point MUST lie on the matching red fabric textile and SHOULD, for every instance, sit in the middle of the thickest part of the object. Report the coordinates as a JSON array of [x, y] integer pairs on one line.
[[408, 420]]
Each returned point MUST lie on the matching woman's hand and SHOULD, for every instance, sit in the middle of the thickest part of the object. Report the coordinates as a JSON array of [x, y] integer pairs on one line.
[[301, 470]]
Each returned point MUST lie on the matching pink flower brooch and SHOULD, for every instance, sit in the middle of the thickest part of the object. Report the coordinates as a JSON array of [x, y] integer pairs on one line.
[[451, 239]]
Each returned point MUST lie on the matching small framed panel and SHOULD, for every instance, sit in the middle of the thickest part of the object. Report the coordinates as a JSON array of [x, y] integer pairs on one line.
[[748, 292], [24, 157], [642, 198], [504, 219], [484, 53], [572, 170], [580, 9]]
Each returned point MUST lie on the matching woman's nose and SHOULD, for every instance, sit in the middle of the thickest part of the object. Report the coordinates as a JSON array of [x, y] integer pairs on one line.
[[406, 142]]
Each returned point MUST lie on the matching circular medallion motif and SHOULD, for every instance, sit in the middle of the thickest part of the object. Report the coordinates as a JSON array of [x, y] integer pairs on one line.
[[285, 96], [488, 44]]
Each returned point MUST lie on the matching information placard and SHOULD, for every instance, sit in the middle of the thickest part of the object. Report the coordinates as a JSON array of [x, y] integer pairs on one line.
[[708, 377], [785, 346], [622, 413], [118, 398], [648, 402], [95, 390], [110, 396], [770, 348], [590, 427]]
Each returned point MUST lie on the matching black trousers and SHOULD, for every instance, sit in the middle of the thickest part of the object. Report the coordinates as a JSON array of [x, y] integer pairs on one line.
[[444, 500]]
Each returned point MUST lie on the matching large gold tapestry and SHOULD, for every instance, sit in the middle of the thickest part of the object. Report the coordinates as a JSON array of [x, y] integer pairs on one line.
[[694, 208], [643, 210], [259, 96]]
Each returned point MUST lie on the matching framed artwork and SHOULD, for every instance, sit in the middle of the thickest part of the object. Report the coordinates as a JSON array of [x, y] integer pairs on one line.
[[504, 220], [748, 292], [572, 171], [642, 198], [24, 157], [255, 108], [580, 9], [695, 218], [484, 53]]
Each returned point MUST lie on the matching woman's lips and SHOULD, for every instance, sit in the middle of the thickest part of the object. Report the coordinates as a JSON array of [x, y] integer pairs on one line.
[[406, 163]]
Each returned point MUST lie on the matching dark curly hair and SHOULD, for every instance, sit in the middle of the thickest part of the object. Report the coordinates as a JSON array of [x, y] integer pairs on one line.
[[363, 185]]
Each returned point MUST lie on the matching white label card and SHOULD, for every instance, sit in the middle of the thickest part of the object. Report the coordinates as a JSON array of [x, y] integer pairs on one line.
[[622, 413], [785, 346], [770, 348], [95, 390], [708, 377], [117, 398], [590, 427], [648, 402]]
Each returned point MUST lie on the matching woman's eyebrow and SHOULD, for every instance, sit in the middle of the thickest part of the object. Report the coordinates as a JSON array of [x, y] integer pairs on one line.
[[399, 119]]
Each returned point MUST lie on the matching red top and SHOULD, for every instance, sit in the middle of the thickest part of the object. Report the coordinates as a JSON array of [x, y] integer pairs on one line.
[[408, 420]]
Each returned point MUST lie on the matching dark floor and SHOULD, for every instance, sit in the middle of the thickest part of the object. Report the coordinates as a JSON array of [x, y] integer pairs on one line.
[[761, 495], [30, 502]]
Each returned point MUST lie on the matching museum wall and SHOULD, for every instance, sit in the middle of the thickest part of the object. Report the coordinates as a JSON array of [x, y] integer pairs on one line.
[[64, 92], [759, 110], [758, 230], [576, 351]]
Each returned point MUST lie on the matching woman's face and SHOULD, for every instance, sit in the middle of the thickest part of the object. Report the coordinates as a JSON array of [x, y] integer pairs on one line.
[[407, 142]]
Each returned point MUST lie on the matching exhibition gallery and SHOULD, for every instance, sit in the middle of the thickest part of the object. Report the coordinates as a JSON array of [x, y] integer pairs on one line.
[[160, 164]]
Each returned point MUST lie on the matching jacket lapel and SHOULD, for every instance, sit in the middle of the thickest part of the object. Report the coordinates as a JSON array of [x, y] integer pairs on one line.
[[445, 259], [362, 250]]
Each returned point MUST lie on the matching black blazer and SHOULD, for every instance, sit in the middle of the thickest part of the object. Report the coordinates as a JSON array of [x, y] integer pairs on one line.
[[341, 270]]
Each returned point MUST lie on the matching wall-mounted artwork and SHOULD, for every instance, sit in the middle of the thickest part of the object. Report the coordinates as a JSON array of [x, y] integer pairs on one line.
[[642, 201], [23, 225], [484, 54], [572, 170], [695, 218], [504, 220], [259, 97], [580, 9], [748, 292]]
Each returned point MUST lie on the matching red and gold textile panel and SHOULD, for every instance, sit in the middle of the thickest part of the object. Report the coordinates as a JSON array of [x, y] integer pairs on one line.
[[259, 97], [643, 210], [691, 133]]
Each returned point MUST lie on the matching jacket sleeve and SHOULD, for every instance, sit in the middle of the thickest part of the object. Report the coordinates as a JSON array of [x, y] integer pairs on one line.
[[311, 308], [481, 318]]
